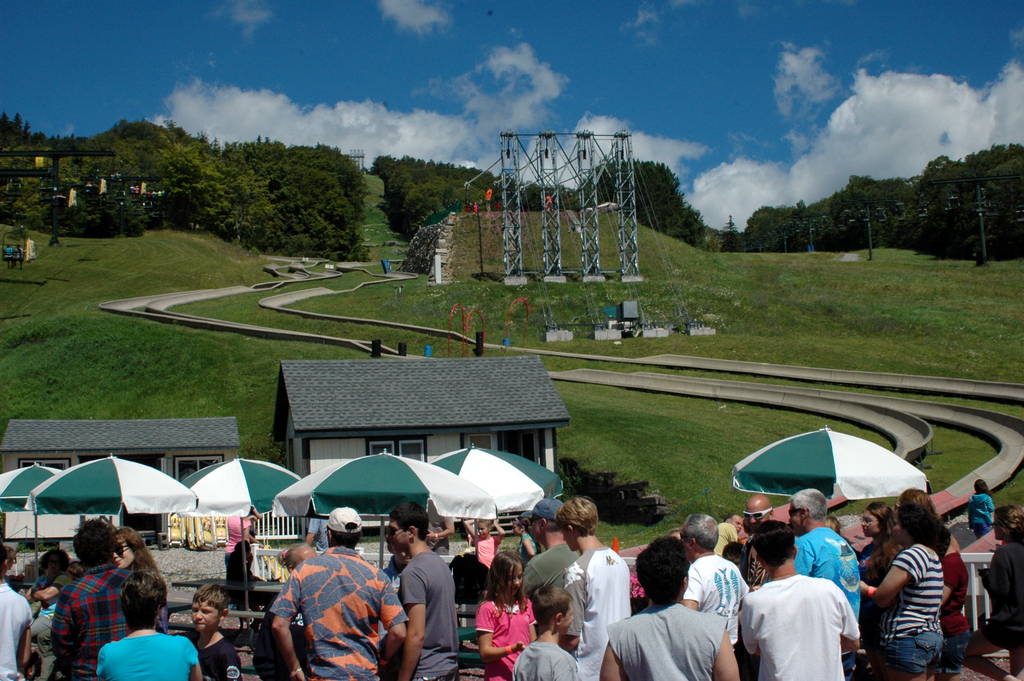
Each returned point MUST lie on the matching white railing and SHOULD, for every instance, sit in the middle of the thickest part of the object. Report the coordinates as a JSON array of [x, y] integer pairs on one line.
[[977, 606], [279, 528]]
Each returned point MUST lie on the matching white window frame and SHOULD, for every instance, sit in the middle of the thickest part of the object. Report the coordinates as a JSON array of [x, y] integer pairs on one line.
[[421, 455], [389, 447], [59, 464], [178, 460], [473, 436]]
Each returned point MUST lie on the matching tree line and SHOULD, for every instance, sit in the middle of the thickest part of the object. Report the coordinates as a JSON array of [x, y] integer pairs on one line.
[[262, 195], [415, 189], [924, 213]]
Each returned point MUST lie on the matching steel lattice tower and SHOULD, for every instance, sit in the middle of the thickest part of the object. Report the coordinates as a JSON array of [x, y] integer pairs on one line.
[[549, 179], [625, 196], [587, 177], [511, 209]]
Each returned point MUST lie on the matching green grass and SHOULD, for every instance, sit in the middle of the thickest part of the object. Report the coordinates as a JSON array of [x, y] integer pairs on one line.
[[63, 358]]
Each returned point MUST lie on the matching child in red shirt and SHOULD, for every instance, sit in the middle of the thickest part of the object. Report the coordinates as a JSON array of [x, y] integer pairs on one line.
[[504, 621]]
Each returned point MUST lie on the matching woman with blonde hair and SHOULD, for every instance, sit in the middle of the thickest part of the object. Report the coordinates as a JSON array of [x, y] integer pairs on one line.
[[877, 523], [1004, 582]]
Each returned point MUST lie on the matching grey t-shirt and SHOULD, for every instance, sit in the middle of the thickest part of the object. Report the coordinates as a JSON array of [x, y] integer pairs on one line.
[[548, 568], [544, 662], [668, 642], [427, 580]]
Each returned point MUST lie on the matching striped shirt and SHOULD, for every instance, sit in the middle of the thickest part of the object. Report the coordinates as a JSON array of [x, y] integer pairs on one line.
[[916, 608]]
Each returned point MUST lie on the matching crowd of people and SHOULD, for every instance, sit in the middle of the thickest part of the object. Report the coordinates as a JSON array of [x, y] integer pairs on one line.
[[794, 601]]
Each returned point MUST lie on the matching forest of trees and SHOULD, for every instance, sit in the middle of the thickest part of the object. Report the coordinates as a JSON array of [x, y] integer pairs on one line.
[[413, 189], [916, 214], [262, 195]]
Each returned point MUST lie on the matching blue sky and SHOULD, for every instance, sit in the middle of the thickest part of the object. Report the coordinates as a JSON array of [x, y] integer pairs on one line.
[[750, 102]]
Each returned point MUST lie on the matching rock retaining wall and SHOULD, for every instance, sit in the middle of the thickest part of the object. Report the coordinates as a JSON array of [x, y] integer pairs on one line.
[[428, 241]]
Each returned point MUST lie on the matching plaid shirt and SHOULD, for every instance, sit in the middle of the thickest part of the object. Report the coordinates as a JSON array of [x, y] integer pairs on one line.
[[88, 616]]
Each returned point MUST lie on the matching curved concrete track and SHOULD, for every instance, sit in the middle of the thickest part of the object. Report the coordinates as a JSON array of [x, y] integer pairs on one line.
[[1005, 431], [158, 307], [905, 422]]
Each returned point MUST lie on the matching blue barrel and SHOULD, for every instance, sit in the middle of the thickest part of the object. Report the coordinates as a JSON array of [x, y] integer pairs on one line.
[[428, 350]]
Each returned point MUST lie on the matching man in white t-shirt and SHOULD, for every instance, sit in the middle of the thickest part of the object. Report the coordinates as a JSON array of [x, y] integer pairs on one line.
[[714, 584], [598, 585], [15, 623], [799, 625]]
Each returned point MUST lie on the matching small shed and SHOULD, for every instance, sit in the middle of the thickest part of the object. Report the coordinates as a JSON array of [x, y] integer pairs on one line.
[[178, 447], [328, 411]]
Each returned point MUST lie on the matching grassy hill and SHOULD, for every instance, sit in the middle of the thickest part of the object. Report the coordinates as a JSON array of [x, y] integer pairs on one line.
[[62, 358]]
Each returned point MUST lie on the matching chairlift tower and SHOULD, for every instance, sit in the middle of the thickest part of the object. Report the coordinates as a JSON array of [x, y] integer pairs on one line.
[[979, 204], [511, 209], [625, 196], [53, 173], [587, 175]]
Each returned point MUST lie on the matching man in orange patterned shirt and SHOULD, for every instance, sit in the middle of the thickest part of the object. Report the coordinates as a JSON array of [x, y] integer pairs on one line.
[[342, 599]]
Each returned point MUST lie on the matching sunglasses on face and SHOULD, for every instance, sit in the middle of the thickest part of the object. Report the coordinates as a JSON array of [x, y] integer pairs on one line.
[[757, 515]]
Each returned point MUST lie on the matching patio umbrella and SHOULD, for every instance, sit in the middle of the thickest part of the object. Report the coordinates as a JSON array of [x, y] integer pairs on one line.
[[834, 463], [233, 487], [15, 485], [104, 486], [14, 489], [516, 483], [373, 485]]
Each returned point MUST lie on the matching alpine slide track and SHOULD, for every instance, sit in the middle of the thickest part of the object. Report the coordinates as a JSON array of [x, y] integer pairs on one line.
[[905, 422]]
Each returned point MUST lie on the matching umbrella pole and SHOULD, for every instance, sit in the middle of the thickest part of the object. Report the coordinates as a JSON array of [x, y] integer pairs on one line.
[[245, 572], [380, 552], [35, 538]]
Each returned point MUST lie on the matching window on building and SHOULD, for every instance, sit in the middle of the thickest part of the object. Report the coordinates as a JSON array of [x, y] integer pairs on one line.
[[185, 466], [481, 440], [414, 448], [59, 464]]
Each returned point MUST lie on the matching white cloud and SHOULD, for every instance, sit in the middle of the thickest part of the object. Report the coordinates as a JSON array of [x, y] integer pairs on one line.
[[229, 113], [525, 87], [511, 89], [1017, 37], [249, 14], [800, 80], [890, 126], [417, 16], [643, 25], [671, 152]]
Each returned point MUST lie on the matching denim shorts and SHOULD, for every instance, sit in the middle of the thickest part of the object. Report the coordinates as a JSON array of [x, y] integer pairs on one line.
[[914, 654], [954, 649]]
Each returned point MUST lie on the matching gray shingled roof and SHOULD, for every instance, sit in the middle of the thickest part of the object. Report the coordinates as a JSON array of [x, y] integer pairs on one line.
[[25, 435], [362, 395]]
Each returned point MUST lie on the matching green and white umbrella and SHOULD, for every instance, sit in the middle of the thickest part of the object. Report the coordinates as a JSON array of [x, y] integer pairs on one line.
[[104, 486], [834, 463], [373, 485], [233, 487], [516, 483], [15, 485]]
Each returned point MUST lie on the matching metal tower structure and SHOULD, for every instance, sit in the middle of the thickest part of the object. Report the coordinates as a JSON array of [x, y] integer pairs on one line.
[[511, 209], [52, 173], [587, 176], [548, 172], [625, 196]]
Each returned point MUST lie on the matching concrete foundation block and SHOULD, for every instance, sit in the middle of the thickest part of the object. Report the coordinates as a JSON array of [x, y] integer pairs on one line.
[[700, 331], [555, 279], [607, 334], [558, 336], [593, 279], [659, 332], [515, 281], [631, 278]]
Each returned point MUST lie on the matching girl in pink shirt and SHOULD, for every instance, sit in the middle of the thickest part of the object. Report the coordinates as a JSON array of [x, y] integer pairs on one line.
[[486, 545], [504, 621]]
